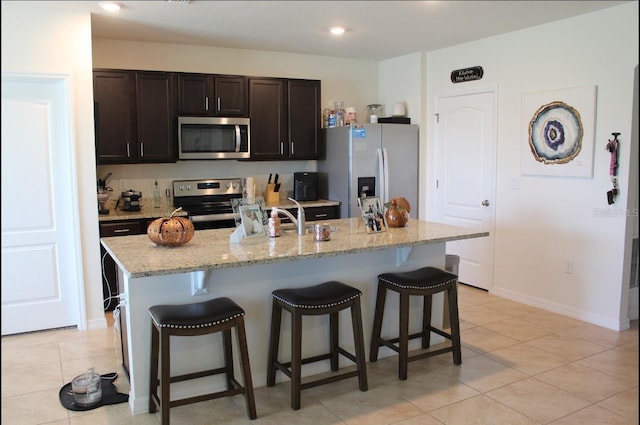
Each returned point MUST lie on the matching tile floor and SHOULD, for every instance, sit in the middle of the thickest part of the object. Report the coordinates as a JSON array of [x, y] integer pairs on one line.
[[521, 365]]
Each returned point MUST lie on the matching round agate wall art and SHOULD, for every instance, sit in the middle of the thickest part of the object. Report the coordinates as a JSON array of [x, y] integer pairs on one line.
[[555, 133]]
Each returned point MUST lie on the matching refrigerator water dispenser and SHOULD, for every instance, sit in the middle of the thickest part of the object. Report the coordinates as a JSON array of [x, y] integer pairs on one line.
[[366, 186]]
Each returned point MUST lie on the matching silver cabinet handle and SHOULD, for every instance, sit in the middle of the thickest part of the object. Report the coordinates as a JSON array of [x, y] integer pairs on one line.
[[141, 149], [218, 103], [121, 230], [485, 203], [128, 150], [206, 103], [281, 148], [292, 149]]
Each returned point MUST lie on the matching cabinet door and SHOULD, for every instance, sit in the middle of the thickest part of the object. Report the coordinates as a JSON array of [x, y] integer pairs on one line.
[[267, 110], [195, 94], [230, 95], [112, 91], [304, 119], [156, 116]]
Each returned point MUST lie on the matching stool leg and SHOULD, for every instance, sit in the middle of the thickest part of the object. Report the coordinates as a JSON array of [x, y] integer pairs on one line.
[[361, 361], [228, 357], [153, 379], [334, 339], [377, 322], [452, 294], [426, 321], [296, 359], [165, 376], [274, 342], [403, 342], [246, 368]]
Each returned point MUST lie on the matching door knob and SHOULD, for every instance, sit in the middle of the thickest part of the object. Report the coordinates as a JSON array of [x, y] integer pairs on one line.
[[485, 203]]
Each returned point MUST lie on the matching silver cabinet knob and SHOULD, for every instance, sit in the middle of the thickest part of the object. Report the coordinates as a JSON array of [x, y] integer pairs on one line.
[[485, 203]]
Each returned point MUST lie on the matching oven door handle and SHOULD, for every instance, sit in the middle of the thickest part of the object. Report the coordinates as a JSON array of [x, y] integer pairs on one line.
[[237, 138], [212, 217]]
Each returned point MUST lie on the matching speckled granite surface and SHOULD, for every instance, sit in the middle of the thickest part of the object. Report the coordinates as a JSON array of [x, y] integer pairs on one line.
[[137, 256]]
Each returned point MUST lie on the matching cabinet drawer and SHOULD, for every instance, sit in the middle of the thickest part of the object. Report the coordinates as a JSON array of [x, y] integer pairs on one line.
[[120, 229], [320, 213]]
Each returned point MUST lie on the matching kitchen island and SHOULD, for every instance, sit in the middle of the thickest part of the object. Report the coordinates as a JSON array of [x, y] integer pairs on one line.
[[209, 266]]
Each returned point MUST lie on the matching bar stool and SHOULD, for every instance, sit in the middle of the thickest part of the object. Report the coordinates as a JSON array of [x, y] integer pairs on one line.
[[217, 315], [326, 298], [423, 282]]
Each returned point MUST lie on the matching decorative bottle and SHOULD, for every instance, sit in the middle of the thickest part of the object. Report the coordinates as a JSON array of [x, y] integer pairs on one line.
[[274, 224], [156, 196]]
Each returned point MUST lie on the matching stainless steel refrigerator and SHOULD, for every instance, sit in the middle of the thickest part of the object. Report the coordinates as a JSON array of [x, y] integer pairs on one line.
[[371, 160]]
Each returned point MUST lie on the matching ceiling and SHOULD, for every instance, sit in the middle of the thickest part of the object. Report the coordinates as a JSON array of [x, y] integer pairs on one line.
[[376, 30]]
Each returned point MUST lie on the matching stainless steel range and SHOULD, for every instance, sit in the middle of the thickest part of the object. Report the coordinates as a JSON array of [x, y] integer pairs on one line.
[[207, 201]]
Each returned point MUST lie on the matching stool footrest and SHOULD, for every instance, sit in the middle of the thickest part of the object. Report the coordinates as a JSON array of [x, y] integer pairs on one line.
[[430, 353], [205, 397], [329, 379], [196, 375]]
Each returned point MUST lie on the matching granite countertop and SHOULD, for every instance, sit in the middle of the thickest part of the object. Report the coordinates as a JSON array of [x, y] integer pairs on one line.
[[148, 211], [137, 256]]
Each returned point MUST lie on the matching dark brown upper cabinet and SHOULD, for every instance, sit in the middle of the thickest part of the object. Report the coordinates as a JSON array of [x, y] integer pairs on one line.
[[135, 116], [212, 95], [285, 119]]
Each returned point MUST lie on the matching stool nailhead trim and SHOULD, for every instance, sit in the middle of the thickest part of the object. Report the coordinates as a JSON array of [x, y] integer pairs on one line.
[[417, 287], [317, 306], [202, 325]]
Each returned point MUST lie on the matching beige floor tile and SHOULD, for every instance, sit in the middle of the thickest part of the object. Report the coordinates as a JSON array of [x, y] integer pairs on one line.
[[480, 410], [527, 359], [509, 307], [538, 400], [21, 357], [32, 409], [484, 374], [570, 348], [431, 391], [519, 329], [593, 415], [624, 404], [425, 419], [602, 336], [481, 315], [113, 415], [553, 321], [584, 382], [29, 380], [316, 414], [374, 407], [617, 363], [214, 412], [482, 340]]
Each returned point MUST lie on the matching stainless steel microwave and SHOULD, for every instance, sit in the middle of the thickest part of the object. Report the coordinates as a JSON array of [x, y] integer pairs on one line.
[[213, 138]]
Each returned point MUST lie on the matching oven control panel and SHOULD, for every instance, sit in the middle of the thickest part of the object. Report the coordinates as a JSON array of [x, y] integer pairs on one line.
[[208, 187]]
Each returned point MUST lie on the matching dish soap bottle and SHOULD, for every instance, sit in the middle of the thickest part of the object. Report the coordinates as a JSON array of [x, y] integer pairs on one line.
[[274, 224], [156, 196]]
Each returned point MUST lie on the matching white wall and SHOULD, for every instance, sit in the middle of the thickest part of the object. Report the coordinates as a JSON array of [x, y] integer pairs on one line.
[[552, 219], [59, 42]]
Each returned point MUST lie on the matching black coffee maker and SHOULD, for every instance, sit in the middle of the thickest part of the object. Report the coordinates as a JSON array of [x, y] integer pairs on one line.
[[305, 186]]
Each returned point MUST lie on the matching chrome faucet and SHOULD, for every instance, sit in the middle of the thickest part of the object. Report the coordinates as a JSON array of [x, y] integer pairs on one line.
[[298, 222]]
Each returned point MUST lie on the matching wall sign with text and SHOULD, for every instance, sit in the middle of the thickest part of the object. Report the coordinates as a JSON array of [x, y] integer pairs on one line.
[[467, 74]]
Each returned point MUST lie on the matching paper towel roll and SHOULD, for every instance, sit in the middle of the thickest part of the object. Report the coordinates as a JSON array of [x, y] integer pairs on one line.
[[250, 190]]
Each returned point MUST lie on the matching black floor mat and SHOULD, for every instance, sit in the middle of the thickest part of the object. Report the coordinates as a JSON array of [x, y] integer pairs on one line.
[[109, 394]]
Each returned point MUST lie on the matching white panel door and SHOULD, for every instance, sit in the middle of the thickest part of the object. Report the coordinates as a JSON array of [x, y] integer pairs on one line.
[[465, 178], [40, 255]]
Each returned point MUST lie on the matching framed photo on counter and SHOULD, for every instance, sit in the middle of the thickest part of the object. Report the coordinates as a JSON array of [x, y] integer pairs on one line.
[[251, 219], [372, 214]]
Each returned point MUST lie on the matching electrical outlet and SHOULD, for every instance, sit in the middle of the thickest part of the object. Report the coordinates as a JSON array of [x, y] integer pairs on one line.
[[568, 266]]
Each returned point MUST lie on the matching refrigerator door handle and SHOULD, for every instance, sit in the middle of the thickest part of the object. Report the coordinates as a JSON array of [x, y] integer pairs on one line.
[[385, 194], [381, 173]]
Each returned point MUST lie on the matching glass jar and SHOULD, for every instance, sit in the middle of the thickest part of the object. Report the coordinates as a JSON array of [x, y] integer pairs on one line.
[[374, 111], [340, 114]]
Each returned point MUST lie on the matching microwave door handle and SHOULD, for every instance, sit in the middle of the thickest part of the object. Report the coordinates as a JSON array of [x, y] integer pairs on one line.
[[237, 138]]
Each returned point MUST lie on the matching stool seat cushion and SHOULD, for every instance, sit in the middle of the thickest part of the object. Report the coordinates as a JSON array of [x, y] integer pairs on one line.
[[196, 315], [424, 278], [327, 294]]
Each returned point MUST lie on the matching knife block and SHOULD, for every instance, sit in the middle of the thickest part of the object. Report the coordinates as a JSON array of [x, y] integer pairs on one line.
[[270, 196]]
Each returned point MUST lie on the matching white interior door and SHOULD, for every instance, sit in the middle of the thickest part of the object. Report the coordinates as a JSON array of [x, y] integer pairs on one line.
[[41, 273], [465, 178]]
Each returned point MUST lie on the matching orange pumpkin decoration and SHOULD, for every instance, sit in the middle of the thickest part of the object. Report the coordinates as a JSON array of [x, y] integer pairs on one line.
[[171, 231], [402, 203]]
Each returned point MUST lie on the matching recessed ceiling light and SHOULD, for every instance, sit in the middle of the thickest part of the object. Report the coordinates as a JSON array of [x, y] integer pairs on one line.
[[110, 6], [337, 30]]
